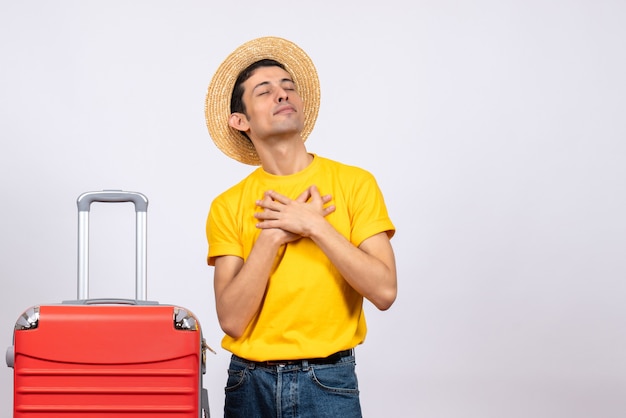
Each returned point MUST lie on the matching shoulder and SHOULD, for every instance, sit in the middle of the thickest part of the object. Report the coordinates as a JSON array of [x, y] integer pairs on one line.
[[235, 192], [350, 171]]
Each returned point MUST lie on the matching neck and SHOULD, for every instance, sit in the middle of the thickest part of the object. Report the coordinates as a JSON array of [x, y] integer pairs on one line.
[[285, 165], [283, 157]]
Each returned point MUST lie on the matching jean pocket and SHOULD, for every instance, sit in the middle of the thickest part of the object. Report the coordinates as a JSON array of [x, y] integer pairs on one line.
[[339, 378], [236, 377]]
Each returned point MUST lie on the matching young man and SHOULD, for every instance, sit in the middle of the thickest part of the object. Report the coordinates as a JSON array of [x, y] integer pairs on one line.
[[296, 245]]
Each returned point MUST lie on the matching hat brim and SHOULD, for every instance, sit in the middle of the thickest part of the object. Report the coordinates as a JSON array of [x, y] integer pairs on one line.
[[217, 105]]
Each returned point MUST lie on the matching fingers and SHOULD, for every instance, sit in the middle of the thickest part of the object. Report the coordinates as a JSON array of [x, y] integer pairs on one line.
[[328, 210], [272, 195], [304, 196], [315, 195], [275, 202]]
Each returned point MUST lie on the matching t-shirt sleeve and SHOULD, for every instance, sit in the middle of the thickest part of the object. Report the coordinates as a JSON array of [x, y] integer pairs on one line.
[[368, 211], [220, 227]]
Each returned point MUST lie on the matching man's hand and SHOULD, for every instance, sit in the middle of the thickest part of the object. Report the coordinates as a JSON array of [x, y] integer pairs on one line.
[[295, 218]]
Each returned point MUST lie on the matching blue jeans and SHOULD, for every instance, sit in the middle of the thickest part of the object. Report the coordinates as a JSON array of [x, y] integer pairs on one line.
[[299, 390]]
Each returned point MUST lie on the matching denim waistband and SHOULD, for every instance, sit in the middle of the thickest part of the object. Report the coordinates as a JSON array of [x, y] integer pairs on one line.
[[332, 359]]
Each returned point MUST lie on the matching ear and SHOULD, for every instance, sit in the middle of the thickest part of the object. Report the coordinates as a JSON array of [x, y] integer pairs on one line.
[[238, 121]]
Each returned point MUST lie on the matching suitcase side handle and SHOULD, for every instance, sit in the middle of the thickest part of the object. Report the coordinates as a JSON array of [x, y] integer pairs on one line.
[[140, 201]]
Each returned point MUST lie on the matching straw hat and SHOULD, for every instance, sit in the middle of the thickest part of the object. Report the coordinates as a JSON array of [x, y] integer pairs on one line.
[[217, 105]]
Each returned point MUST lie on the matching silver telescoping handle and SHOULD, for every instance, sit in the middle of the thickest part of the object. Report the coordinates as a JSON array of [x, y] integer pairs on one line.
[[141, 237]]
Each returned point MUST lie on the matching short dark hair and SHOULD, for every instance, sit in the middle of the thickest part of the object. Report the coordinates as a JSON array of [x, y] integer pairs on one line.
[[236, 98]]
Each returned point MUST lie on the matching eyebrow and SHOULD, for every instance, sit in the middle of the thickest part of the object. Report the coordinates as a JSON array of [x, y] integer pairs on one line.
[[265, 83]]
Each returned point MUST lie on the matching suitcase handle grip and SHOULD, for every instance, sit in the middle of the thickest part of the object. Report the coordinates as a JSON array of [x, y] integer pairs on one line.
[[86, 199], [141, 209], [109, 301]]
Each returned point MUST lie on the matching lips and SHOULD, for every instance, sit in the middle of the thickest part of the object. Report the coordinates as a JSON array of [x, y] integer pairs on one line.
[[285, 109]]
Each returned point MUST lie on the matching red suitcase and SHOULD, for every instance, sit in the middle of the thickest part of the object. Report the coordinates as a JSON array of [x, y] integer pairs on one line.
[[108, 357]]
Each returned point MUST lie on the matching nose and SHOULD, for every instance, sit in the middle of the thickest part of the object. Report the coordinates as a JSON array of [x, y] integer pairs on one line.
[[282, 95]]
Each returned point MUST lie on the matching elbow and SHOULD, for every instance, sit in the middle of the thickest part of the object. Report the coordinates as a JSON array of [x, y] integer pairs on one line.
[[231, 328], [386, 299]]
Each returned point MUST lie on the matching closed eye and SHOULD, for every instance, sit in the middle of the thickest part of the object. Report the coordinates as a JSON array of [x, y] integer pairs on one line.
[[288, 85]]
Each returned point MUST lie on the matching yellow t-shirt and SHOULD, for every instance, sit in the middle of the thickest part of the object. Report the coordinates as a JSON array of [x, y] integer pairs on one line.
[[309, 310]]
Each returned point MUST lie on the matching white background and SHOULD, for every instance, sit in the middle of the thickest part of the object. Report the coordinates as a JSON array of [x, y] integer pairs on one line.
[[496, 129]]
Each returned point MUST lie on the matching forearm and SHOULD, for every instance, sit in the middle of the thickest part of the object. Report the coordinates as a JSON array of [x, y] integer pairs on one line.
[[239, 292], [369, 269]]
